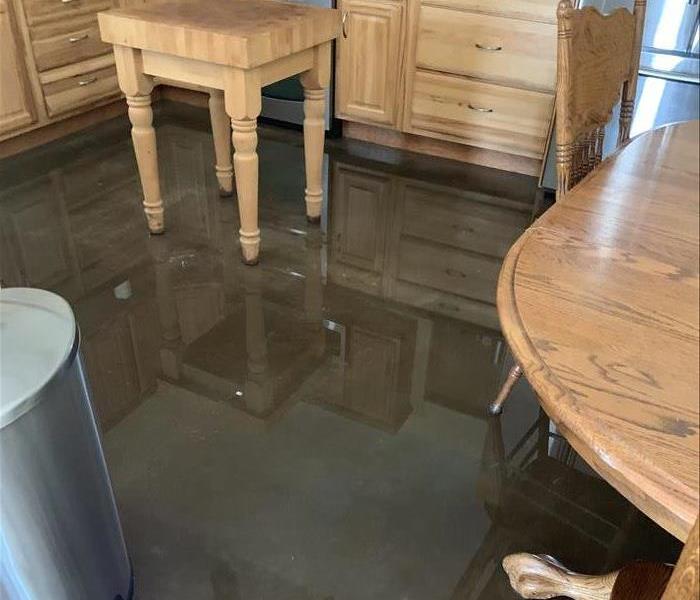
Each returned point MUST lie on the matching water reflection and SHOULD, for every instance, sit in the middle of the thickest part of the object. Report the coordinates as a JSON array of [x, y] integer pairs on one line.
[[327, 405]]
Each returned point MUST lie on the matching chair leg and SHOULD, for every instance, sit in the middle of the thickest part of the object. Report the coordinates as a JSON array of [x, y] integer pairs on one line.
[[496, 407]]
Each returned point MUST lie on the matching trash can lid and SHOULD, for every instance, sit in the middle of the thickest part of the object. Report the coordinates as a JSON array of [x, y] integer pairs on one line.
[[37, 338]]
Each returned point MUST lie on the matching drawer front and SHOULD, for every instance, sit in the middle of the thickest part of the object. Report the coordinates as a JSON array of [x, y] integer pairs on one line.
[[481, 114], [544, 11], [76, 91], [510, 51], [448, 269], [68, 42], [40, 11]]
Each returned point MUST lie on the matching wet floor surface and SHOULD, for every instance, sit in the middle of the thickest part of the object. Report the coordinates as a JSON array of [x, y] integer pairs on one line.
[[315, 427]]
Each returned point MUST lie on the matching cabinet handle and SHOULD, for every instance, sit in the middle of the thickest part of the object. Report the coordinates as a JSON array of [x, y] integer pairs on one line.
[[345, 30], [489, 48], [77, 38], [66, 1], [480, 108], [87, 81]]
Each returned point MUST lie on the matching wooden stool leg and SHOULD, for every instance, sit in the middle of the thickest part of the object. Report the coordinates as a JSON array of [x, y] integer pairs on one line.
[[314, 133], [315, 82], [496, 407], [242, 98], [245, 163], [221, 131], [144, 138]]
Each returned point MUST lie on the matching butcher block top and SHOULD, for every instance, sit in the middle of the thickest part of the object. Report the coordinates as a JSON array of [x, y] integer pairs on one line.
[[238, 33]]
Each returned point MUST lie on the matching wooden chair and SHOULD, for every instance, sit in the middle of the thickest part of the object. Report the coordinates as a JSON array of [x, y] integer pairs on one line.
[[597, 66], [543, 577]]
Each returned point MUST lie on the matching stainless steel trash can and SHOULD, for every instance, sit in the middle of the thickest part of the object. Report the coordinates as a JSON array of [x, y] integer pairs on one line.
[[60, 536]]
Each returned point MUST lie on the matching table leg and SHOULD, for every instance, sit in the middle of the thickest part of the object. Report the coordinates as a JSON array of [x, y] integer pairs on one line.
[[245, 162], [137, 88], [543, 577], [144, 138], [221, 131], [315, 82], [243, 103]]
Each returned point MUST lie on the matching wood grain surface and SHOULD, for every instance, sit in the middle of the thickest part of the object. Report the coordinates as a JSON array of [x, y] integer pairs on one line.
[[599, 303], [238, 33]]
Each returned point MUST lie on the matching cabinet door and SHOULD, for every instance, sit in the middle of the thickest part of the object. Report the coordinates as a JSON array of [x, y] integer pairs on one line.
[[16, 105], [369, 53]]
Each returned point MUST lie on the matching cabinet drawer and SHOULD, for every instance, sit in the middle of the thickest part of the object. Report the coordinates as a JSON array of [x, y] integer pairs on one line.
[[511, 51], [65, 42], [544, 11], [448, 269], [39, 11], [83, 88], [481, 114]]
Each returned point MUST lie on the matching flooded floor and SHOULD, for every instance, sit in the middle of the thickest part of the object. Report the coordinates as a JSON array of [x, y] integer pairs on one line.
[[315, 427]]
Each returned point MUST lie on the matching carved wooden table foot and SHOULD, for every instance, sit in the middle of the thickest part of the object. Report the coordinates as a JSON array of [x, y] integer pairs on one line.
[[543, 577], [233, 49]]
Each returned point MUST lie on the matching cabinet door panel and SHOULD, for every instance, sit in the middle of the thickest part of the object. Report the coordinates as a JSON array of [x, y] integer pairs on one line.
[[16, 104], [369, 52]]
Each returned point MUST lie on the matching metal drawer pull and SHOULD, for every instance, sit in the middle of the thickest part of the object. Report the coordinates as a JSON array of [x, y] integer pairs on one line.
[[87, 81], [345, 30], [489, 48], [480, 108], [66, 1], [77, 38]]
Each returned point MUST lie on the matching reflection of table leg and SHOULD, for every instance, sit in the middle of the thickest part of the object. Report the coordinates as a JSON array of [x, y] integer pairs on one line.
[[543, 577], [221, 131], [137, 88], [315, 82], [242, 99]]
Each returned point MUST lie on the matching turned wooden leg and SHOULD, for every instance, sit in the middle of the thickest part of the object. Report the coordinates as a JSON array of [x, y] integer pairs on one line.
[[242, 98], [314, 133], [496, 407], [221, 131], [144, 138], [315, 82], [245, 163]]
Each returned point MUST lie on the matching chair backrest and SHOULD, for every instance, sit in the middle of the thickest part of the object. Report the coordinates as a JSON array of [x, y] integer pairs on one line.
[[685, 581], [597, 64]]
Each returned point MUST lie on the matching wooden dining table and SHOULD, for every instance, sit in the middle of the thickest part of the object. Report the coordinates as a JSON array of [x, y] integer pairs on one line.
[[599, 303]]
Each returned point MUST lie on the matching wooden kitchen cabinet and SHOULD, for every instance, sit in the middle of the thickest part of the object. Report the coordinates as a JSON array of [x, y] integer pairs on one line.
[[16, 102], [53, 65], [368, 55], [469, 79]]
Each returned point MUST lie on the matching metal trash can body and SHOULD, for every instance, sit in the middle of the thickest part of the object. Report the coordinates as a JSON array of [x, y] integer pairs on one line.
[[60, 536]]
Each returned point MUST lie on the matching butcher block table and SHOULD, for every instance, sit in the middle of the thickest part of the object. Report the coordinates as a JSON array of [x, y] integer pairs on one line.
[[231, 48], [599, 303]]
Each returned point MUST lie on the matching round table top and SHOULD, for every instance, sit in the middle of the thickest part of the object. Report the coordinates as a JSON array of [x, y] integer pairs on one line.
[[599, 303]]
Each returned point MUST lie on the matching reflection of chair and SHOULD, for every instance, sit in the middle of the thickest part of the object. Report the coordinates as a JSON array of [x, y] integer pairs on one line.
[[540, 495], [597, 62]]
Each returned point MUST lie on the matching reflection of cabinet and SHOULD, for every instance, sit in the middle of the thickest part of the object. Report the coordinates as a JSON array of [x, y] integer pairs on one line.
[[368, 55], [424, 244], [37, 246], [360, 202], [16, 103], [121, 359]]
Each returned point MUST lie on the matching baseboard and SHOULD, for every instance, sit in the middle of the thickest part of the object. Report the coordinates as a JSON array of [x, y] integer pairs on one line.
[[442, 148]]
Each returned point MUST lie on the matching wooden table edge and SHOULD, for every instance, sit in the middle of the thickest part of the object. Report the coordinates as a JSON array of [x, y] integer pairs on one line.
[[624, 468]]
